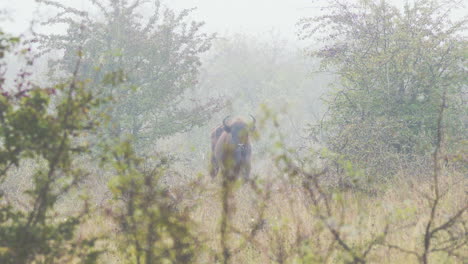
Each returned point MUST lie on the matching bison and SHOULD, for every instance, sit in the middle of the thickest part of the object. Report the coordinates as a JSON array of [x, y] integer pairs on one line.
[[231, 149]]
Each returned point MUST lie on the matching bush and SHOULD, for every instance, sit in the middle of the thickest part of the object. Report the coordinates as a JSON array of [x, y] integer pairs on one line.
[[392, 68]]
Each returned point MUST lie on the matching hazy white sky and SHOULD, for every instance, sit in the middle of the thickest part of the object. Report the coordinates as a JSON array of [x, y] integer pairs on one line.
[[256, 16], [220, 15], [252, 16]]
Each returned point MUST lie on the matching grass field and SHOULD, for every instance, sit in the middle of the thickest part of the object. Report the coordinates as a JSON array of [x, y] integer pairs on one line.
[[276, 221]]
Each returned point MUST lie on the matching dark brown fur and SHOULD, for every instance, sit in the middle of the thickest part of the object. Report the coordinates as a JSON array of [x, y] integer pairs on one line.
[[231, 149]]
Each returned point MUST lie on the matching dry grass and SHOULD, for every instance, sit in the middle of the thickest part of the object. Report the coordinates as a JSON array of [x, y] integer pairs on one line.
[[287, 229], [291, 233]]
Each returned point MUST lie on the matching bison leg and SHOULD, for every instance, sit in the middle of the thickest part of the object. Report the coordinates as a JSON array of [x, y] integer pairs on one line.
[[214, 168], [247, 171]]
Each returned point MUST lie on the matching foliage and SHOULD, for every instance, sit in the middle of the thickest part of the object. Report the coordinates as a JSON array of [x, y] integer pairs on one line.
[[50, 128], [441, 238], [152, 230], [157, 58], [34, 128], [392, 67], [293, 215]]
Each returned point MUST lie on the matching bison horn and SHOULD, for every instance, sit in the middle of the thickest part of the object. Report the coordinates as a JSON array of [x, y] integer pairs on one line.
[[227, 128], [253, 124]]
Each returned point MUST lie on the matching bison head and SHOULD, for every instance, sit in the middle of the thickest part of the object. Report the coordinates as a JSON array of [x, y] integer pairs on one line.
[[231, 148]]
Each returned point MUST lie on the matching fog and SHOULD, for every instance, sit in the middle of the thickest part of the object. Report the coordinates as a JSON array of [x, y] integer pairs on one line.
[[268, 27], [239, 131], [222, 16], [255, 59]]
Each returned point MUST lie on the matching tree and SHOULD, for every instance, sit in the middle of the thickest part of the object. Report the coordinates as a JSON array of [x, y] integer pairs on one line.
[[249, 71], [42, 126], [392, 68], [157, 58], [47, 129]]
